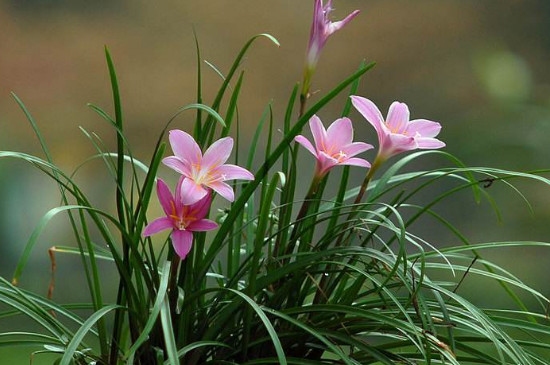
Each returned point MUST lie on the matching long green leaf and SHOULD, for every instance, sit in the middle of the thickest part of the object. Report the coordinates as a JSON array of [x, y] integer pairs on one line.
[[155, 310], [82, 331]]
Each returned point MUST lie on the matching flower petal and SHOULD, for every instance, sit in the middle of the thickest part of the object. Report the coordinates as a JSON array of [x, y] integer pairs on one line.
[[178, 196], [165, 197], [429, 143], [231, 172], [398, 117], [339, 134], [182, 242], [325, 162], [355, 148], [202, 225], [354, 161], [333, 27], [175, 163], [397, 143], [319, 132], [306, 143], [158, 225], [425, 128], [371, 113], [191, 192], [200, 209], [223, 189], [218, 152], [185, 147]]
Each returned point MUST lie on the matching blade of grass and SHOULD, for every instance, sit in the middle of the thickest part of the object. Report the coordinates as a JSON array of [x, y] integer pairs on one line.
[[82, 331]]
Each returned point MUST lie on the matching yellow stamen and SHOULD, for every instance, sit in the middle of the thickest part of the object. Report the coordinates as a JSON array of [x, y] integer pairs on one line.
[[395, 130]]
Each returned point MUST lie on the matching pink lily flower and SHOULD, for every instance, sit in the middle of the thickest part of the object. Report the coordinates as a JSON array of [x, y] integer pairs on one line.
[[333, 146], [181, 218], [397, 133], [204, 171], [322, 28]]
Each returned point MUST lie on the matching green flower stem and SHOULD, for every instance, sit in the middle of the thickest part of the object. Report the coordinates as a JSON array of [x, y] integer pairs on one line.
[[324, 280], [378, 161], [312, 192], [303, 102], [172, 283], [306, 85]]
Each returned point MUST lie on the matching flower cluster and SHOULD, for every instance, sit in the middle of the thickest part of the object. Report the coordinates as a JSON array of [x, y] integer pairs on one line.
[[186, 209], [396, 134], [202, 173]]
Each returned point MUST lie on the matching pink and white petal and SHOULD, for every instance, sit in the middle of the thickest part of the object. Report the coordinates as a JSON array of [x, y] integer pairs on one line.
[[200, 209], [370, 112], [319, 133], [425, 128], [354, 161], [223, 189], [182, 242], [158, 225], [165, 197], [185, 147], [218, 152], [191, 192], [398, 117], [325, 162], [318, 9], [232, 172], [333, 27], [326, 157], [177, 195], [429, 143], [356, 148], [340, 133], [202, 225], [306, 143], [397, 143], [176, 164]]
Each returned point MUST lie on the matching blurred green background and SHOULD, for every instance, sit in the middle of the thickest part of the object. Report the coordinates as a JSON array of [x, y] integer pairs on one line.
[[478, 67]]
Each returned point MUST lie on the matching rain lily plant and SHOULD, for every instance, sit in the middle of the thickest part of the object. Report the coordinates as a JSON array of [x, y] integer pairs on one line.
[[398, 133], [334, 146], [347, 278], [321, 29], [182, 217], [202, 172]]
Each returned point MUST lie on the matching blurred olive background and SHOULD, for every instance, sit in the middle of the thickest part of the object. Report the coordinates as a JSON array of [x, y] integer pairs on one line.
[[478, 67]]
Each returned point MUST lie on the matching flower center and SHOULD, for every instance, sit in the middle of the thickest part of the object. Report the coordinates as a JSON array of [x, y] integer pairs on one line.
[[186, 218], [395, 129], [340, 156], [205, 176]]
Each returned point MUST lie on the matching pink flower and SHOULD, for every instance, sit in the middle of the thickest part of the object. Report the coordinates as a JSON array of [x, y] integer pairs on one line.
[[321, 29], [182, 218], [397, 134], [333, 146], [202, 172]]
